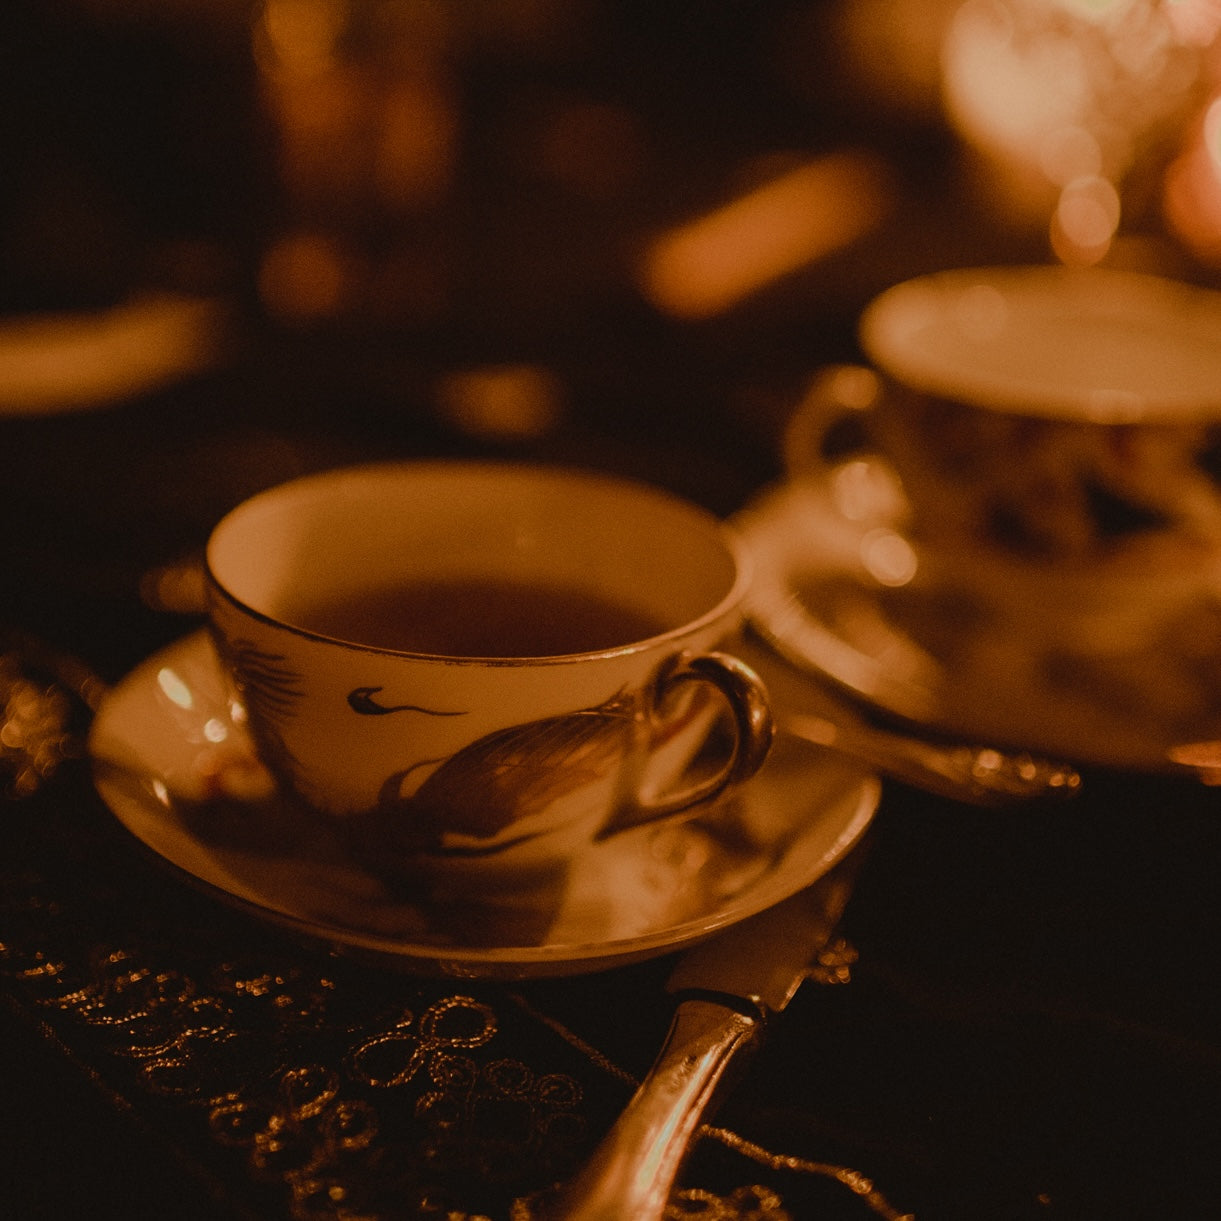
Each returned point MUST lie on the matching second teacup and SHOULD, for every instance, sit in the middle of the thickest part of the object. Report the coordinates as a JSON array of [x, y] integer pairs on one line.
[[1048, 414]]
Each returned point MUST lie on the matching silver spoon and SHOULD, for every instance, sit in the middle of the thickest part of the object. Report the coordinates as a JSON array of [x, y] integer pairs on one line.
[[977, 774], [981, 775]]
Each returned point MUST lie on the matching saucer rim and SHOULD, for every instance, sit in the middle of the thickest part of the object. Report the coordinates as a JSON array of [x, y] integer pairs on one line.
[[925, 703], [466, 961]]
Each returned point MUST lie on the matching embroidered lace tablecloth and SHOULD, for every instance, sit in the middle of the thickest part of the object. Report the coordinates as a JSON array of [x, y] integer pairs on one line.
[[257, 1078], [297, 1084]]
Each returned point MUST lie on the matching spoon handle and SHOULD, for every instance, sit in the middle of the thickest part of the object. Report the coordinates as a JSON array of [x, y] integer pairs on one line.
[[981, 775]]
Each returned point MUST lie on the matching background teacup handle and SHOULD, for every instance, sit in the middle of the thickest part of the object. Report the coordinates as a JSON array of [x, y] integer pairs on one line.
[[744, 692], [837, 393]]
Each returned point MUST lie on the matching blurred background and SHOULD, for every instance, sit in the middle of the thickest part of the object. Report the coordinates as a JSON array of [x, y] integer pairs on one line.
[[245, 239], [240, 239]]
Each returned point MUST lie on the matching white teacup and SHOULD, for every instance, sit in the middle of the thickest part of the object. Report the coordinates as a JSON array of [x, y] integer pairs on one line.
[[486, 666], [1043, 414]]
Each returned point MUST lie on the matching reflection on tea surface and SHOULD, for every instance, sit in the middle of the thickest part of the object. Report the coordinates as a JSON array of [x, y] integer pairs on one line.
[[481, 617]]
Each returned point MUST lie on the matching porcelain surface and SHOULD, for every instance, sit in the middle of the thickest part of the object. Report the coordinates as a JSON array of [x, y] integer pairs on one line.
[[1114, 663], [176, 771]]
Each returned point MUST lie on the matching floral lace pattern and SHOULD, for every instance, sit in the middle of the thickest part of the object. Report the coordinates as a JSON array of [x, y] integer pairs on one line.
[[312, 1086]]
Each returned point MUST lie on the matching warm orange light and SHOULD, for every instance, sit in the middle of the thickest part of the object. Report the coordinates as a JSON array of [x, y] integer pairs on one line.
[[300, 35], [1085, 221], [1069, 100], [365, 116], [888, 558], [867, 490], [56, 362], [303, 276], [319, 122], [1192, 190], [417, 136], [502, 403], [1195, 21], [710, 264]]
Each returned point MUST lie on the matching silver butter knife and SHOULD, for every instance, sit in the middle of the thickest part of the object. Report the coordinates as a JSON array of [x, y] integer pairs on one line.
[[727, 988]]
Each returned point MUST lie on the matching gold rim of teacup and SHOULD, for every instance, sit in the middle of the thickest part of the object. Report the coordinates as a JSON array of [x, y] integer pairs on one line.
[[723, 531]]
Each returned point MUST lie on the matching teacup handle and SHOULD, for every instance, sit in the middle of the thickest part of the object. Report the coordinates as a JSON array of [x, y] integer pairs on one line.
[[744, 692], [837, 394]]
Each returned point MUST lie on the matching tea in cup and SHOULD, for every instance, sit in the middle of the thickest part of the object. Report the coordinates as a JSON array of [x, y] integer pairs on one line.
[[486, 667], [1047, 415]]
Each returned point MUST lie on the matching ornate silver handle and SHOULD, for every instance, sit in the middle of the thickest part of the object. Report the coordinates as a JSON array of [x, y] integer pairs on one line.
[[634, 1169]]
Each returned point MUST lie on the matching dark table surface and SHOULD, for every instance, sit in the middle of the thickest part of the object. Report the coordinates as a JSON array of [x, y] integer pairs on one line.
[[1030, 1031], [1032, 1028]]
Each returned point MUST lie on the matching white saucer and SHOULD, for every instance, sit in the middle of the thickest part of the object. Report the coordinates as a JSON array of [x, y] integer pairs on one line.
[[641, 893], [1113, 666]]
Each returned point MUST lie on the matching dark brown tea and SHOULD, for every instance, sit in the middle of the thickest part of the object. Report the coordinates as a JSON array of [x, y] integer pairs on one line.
[[480, 617]]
